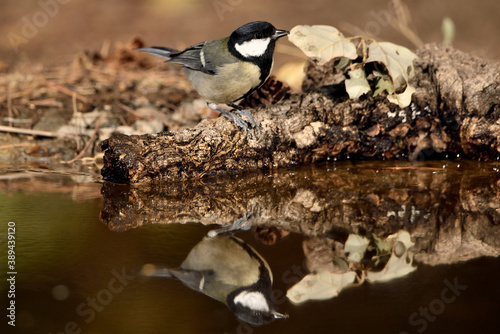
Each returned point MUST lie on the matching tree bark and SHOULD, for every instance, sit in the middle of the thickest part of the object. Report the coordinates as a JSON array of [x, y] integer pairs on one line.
[[455, 112]]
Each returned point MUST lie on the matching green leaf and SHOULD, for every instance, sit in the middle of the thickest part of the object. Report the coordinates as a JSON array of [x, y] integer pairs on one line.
[[357, 84], [383, 246], [342, 63], [448, 30], [322, 42], [384, 83]]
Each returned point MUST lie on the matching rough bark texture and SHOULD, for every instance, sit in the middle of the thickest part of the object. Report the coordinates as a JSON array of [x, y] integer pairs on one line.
[[455, 111], [451, 215]]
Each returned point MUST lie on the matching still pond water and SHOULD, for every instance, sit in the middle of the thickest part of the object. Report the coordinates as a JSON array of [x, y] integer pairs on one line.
[[79, 273]]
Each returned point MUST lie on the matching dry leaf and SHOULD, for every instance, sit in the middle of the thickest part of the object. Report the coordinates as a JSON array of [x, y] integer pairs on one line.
[[403, 99], [320, 286], [355, 246], [322, 42], [357, 84], [400, 262], [397, 59]]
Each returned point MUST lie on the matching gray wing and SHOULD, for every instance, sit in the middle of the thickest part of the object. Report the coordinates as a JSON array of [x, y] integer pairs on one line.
[[192, 58], [205, 57]]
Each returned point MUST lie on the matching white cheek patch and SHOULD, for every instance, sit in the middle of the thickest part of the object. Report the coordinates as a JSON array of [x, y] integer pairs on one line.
[[254, 47], [253, 300]]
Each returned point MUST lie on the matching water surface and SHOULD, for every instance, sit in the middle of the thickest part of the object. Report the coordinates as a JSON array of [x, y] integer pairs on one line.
[[77, 263]]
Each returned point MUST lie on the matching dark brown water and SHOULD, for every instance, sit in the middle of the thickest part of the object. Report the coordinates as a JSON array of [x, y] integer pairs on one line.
[[77, 267]]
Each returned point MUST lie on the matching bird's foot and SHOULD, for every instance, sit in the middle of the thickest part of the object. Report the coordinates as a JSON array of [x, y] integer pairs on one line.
[[248, 115], [242, 224], [237, 119]]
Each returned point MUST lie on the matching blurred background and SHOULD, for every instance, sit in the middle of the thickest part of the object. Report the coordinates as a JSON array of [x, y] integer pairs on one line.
[[53, 31]]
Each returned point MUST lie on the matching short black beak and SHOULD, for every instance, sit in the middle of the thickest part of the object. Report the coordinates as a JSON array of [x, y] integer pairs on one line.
[[280, 33]]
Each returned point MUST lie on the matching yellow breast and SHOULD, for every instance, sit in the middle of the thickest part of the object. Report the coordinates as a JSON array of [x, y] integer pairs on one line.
[[230, 83]]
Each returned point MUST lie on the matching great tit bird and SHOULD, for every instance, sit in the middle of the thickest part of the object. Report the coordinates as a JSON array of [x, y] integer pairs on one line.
[[226, 70], [229, 270]]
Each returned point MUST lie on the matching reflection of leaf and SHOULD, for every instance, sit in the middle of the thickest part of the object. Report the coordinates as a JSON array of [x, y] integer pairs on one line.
[[397, 59], [355, 246], [357, 84], [403, 99], [383, 246], [320, 286], [322, 42], [400, 262]]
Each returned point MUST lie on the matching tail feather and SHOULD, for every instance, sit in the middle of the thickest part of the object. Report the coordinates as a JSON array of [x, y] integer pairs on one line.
[[155, 271], [159, 51]]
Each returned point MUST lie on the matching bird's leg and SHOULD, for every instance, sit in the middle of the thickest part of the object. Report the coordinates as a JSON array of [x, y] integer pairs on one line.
[[235, 118], [242, 224], [247, 114]]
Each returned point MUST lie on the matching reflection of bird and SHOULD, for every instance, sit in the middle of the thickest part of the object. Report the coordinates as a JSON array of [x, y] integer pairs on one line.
[[229, 69], [229, 270]]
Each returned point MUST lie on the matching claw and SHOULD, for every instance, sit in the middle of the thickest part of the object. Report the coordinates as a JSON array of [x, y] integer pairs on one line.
[[237, 119], [247, 114], [242, 224]]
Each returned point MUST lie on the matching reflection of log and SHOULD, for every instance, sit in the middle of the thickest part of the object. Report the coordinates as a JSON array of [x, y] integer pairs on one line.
[[451, 215], [455, 111]]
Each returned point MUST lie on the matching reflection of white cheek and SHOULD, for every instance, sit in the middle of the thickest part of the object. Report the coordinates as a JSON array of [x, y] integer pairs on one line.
[[253, 300], [253, 48]]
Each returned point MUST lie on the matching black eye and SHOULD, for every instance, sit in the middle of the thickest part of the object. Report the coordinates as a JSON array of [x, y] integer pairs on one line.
[[258, 35]]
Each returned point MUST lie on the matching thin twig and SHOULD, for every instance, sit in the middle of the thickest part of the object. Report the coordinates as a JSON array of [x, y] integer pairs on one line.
[[71, 93], [39, 133], [45, 103], [9, 106], [89, 142], [22, 93], [3, 147], [75, 112], [127, 108], [73, 100], [402, 23]]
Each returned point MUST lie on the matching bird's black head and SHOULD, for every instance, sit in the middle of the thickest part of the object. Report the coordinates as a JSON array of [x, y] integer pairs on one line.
[[255, 42]]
